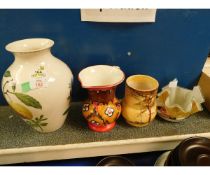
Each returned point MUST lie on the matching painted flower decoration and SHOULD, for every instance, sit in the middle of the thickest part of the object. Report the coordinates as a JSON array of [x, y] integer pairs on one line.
[[85, 107], [109, 111]]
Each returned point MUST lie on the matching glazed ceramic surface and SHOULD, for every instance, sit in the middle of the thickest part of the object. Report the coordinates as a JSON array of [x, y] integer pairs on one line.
[[162, 159], [37, 85], [115, 161], [193, 151], [102, 109], [139, 103], [177, 103]]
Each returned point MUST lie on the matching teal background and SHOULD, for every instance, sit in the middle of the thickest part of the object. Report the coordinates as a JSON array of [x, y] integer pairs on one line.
[[175, 46]]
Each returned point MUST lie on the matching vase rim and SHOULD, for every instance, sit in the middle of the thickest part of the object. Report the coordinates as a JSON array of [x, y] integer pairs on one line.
[[29, 45], [143, 83], [101, 77]]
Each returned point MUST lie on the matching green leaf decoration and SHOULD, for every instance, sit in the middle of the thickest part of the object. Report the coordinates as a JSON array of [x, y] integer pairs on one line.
[[7, 74], [28, 100], [43, 119], [13, 88], [38, 122], [44, 124], [66, 111]]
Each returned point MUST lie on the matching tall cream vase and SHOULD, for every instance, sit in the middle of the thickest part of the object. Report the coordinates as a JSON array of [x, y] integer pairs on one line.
[[37, 85]]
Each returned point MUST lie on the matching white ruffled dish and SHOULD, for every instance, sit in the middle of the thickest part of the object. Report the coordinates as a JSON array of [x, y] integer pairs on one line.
[[167, 118], [177, 103]]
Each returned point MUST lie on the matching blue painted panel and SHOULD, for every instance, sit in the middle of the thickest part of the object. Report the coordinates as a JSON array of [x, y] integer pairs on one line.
[[176, 45]]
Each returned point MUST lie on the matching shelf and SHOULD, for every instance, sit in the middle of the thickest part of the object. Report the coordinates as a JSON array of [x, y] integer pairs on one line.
[[20, 143]]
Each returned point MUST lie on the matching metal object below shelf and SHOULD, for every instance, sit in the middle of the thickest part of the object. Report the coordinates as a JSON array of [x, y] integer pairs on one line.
[[20, 143]]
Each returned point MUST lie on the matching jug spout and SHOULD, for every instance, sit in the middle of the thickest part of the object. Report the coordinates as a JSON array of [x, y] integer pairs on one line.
[[101, 77]]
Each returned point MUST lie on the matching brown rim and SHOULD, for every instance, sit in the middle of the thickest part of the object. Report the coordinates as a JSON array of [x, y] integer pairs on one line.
[[119, 161]]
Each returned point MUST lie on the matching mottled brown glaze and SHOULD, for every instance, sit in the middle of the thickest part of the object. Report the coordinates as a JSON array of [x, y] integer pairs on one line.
[[194, 151], [102, 96]]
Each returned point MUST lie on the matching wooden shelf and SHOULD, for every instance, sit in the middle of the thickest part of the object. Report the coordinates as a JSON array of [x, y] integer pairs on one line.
[[20, 143]]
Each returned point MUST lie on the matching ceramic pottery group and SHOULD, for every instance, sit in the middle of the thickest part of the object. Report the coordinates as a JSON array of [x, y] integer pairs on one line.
[[37, 86]]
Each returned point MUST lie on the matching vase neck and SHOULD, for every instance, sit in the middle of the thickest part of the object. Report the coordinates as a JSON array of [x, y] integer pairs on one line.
[[102, 96], [37, 55]]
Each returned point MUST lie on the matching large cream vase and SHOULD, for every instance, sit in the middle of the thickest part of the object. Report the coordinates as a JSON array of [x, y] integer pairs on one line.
[[37, 85]]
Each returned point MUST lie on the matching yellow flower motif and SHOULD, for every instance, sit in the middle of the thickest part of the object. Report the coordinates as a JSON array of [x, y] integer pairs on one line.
[[22, 110]]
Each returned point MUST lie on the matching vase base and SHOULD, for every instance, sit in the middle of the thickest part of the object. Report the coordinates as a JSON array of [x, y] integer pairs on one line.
[[105, 128], [137, 124]]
